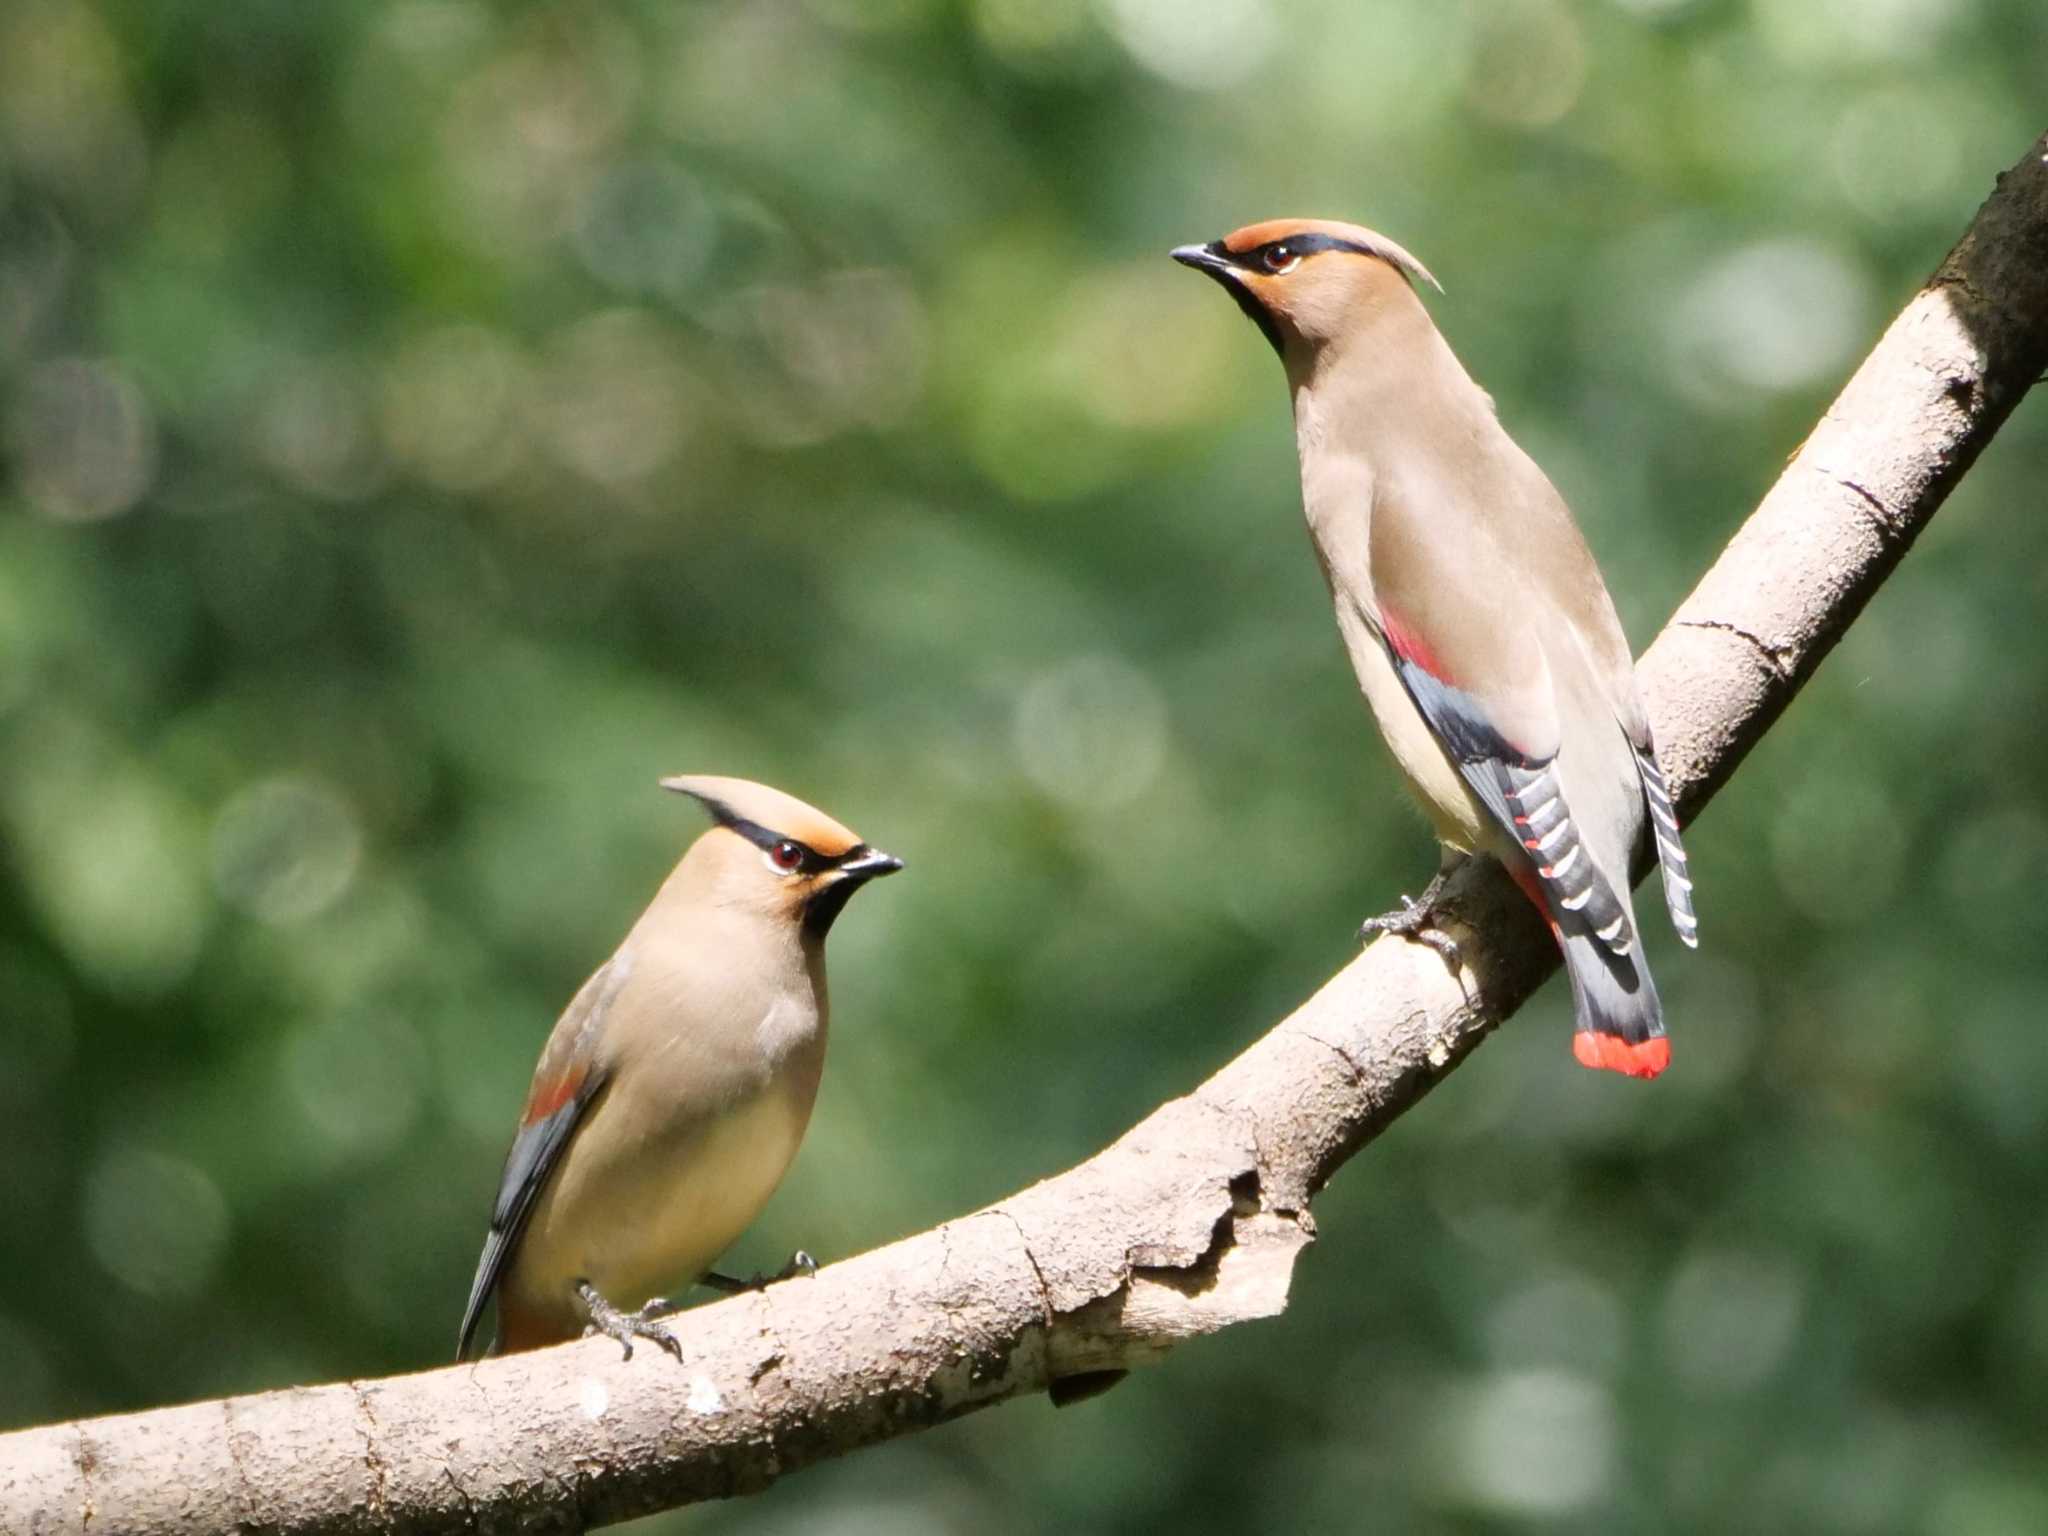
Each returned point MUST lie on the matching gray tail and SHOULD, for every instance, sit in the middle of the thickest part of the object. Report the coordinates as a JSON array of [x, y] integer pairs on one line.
[[480, 1291], [1620, 1022], [1670, 847]]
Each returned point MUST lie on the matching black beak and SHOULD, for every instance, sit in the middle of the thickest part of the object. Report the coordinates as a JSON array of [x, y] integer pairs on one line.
[[1215, 261], [1203, 258], [869, 864], [830, 896]]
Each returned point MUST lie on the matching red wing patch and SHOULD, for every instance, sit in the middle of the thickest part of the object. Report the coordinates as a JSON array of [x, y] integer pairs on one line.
[[549, 1094], [1411, 647]]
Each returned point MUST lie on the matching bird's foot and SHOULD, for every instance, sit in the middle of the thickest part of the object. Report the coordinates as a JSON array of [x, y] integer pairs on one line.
[[800, 1263], [1411, 920], [625, 1327]]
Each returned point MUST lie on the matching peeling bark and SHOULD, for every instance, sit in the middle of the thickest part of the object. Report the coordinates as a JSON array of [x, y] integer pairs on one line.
[[1190, 1222]]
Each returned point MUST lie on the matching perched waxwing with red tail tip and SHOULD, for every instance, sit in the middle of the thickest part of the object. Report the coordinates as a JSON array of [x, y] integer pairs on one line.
[[1476, 619], [673, 1092]]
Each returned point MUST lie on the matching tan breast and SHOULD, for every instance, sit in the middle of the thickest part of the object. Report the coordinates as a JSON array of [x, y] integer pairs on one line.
[[695, 1129], [1453, 810], [1337, 494]]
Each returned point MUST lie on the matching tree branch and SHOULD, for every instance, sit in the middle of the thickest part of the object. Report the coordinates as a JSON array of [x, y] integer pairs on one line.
[[1193, 1220]]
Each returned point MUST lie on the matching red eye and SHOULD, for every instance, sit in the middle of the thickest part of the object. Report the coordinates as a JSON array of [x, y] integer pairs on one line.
[[1277, 258], [786, 856]]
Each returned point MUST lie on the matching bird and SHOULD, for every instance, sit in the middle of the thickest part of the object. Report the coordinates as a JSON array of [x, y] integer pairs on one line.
[[670, 1099], [1481, 632]]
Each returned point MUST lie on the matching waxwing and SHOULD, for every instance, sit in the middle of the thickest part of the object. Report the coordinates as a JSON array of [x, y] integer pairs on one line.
[[1476, 620], [674, 1090]]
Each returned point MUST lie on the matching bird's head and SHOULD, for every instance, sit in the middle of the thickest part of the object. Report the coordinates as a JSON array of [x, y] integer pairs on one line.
[[1307, 282], [774, 854]]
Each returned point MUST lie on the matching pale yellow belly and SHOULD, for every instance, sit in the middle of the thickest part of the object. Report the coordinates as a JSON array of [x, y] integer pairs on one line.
[[1455, 812], [641, 1215]]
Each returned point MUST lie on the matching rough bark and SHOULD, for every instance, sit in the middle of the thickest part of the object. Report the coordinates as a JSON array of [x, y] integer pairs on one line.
[[1193, 1220]]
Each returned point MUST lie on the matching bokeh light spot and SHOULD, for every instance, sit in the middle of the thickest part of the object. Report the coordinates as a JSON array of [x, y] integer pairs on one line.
[[1562, 1321], [645, 227], [1528, 64], [285, 849], [1827, 34], [616, 399], [1776, 315], [63, 111], [115, 868], [1091, 732], [849, 351], [83, 439], [522, 137], [1896, 151], [156, 1223], [1145, 355], [1529, 1443], [1204, 45], [358, 1078], [313, 427], [452, 397], [1729, 1319]]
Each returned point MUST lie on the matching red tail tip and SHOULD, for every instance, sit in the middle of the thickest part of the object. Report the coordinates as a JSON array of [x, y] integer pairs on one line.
[[1611, 1053]]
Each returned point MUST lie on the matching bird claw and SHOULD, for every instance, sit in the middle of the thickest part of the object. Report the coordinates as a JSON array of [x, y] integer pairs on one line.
[[1412, 921], [1402, 920], [625, 1327], [800, 1263]]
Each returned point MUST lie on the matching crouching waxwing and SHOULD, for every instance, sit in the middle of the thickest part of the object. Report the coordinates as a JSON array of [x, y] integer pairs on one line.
[[1476, 620], [673, 1092]]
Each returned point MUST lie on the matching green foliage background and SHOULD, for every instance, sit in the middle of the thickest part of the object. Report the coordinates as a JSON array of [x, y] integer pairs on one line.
[[425, 424]]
